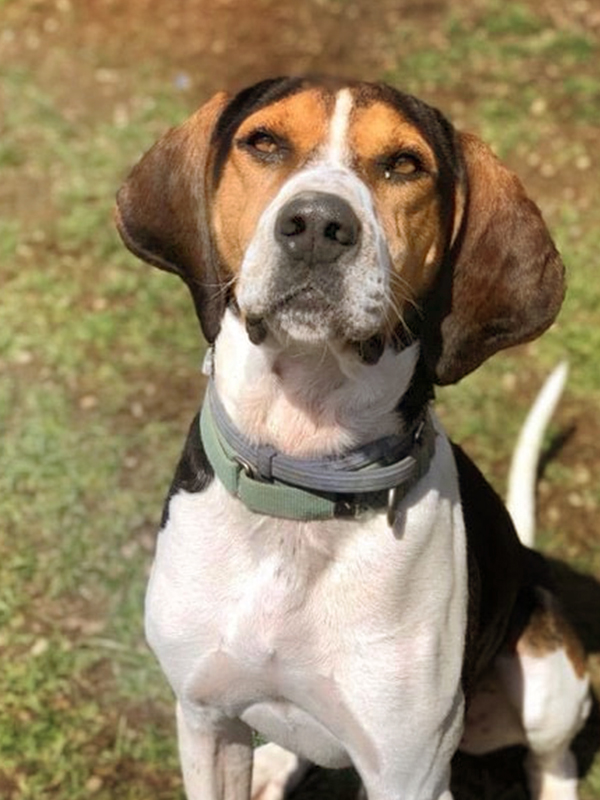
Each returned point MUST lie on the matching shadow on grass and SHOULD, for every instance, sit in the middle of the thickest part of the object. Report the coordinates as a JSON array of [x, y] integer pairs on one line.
[[499, 775]]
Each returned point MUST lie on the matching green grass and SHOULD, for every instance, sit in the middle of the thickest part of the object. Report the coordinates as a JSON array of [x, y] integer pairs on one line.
[[505, 58], [98, 377], [83, 333]]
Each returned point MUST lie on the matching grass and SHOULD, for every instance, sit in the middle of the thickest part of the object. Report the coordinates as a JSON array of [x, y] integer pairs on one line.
[[80, 333], [98, 378]]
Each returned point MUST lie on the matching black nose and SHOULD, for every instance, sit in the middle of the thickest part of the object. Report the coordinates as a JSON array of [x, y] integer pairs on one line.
[[316, 227]]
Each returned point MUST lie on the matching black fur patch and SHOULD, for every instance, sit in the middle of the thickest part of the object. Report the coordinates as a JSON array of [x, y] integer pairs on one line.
[[194, 471], [502, 573]]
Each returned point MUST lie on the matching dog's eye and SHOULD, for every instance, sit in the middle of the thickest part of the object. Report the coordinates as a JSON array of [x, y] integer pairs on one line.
[[402, 165], [263, 141], [263, 144]]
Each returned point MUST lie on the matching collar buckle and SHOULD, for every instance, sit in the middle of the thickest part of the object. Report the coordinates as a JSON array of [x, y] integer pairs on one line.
[[245, 466]]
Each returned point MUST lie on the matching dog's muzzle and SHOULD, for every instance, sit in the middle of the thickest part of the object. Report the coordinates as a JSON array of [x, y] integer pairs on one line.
[[317, 228], [317, 268]]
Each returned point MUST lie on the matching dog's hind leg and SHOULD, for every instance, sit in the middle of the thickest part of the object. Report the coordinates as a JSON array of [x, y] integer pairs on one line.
[[546, 682]]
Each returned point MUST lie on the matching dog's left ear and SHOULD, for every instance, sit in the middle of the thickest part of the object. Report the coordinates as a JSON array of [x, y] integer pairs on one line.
[[161, 211], [504, 281]]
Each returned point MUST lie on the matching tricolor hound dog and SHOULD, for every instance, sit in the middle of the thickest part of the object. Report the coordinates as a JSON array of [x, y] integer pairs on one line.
[[331, 571]]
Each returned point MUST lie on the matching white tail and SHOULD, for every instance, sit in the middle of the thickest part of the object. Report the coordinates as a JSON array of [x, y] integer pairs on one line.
[[522, 477]]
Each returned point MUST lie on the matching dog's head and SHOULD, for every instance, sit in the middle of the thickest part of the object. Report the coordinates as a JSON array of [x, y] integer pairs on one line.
[[350, 211]]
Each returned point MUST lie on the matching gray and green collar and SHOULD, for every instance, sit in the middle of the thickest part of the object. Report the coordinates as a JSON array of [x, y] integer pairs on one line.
[[372, 477]]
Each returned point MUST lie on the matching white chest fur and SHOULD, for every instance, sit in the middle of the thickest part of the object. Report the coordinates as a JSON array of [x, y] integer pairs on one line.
[[279, 622]]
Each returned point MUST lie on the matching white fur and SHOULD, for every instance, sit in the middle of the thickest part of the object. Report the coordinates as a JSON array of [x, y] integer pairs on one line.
[[552, 702], [522, 478], [337, 149]]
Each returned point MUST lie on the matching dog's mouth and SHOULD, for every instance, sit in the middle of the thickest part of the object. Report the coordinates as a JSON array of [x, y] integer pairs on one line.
[[302, 312], [317, 310], [307, 316], [371, 350], [257, 329]]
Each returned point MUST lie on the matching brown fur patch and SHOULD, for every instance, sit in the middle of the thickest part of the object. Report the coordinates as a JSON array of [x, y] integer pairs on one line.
[[409, 209], [548, 630], [247, 185], [507, 284]]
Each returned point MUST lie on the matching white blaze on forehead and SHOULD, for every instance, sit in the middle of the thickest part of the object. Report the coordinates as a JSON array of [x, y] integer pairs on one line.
[[338, 148]]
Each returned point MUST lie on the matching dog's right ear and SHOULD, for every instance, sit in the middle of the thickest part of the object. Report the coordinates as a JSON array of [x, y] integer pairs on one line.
[[161, 211]]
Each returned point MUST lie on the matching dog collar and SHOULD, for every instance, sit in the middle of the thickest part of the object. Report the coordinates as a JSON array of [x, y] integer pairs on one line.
[[374, 476]]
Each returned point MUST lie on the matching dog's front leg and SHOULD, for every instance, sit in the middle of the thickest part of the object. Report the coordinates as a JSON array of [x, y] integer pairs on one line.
[[216, 755]]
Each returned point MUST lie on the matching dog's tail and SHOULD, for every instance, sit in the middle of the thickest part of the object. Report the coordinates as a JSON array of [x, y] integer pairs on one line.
[[522, 477]]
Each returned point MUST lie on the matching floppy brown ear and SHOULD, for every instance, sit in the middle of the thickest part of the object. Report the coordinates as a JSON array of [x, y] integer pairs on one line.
[[161, 211], [504, 281]]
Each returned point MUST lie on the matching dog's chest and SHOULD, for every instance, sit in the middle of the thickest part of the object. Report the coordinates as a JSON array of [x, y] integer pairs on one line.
[[242, 608], [233, 591]]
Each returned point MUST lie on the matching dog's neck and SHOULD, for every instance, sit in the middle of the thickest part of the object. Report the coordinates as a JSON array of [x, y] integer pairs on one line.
[[308, 400]]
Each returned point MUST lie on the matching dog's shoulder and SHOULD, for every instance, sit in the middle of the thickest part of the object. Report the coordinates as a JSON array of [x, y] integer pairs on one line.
[[193, 472]]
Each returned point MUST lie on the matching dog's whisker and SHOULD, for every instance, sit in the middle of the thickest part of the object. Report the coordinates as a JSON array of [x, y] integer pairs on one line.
[[407, 290]]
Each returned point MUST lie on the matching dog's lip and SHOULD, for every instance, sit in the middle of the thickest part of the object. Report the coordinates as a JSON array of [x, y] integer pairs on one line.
[[259, 323], [370, 350], [300, 291], [281, 302], [369, 344], [257, 329]]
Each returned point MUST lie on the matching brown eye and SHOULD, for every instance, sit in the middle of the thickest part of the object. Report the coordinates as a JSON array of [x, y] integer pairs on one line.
[[402, 165], [264, 145], [263, 142]]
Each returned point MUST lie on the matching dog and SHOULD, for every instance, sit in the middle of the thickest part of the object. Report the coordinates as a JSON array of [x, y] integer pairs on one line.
[[331, 571]]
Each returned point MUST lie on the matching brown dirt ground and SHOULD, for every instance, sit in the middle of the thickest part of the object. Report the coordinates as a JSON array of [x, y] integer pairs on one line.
[[227, 44]]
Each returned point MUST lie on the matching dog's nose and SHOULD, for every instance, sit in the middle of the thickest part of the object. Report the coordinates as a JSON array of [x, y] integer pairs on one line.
[[317, 227]]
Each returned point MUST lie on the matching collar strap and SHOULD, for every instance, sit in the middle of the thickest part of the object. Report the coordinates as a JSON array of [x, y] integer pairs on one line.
[[272, 483]]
